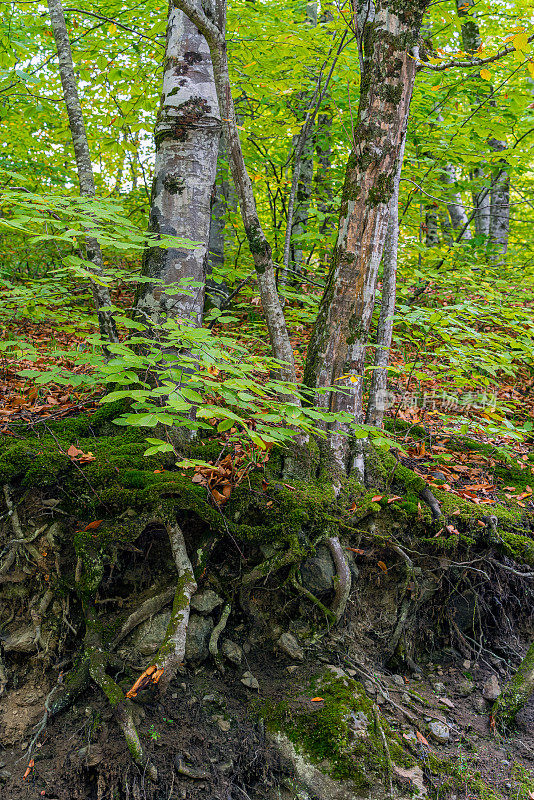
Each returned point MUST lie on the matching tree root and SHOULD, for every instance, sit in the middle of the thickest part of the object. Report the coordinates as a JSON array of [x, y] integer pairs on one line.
[[329, 614], [17, 530], [343, 579], [122, 707], [215, 634], [428, 498], [143, 612], [172, 651], [387, 754]]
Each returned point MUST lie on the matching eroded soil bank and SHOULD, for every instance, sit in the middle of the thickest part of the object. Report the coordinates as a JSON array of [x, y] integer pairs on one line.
[[275, 699]]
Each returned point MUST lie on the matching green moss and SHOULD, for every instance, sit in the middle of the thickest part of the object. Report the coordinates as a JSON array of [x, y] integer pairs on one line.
[[326, 734]]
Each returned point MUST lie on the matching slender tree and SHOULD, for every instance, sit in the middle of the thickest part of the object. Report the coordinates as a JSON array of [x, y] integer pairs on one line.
[[214, 31], [336, 354], [84, 166], [187, 136]]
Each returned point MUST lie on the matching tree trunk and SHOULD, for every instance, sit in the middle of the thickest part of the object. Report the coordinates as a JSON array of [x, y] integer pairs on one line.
[[323, 179], [481, 201], [302, 208], [336, 353], [455, 207], [378, 391], [516, 693], [432, 225], [84, 167], [499, 226], [259, 246], [187, 140]]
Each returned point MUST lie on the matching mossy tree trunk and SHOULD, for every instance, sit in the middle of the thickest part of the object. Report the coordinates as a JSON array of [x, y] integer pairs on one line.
[[389, 32], [516, 693]]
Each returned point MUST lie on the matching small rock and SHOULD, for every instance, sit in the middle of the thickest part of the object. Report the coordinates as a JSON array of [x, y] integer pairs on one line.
[[205, 602], [292, 668], [439, 732], [466, 664], [440, 688], [360, 723], [232, 652], [5, 775], [413, 778], [198, 636], [439, 476], [223, 724], [209, 698], [398, 680], [351, 673], [250, 681], [318, 572], [479, 705], [369, 687], [405, 697], [446, 702], [465, 687], [491, 689], [337, 672], [291, 647]]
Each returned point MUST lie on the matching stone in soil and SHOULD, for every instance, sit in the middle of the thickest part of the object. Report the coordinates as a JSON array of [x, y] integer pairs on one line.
[[250, 681], [198, 637], [232, 652], [205, 602], [289, 645], [439, 731], [491, 689], [318, 572]]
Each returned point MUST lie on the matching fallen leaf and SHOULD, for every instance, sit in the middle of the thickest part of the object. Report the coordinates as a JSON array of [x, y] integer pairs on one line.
[[357, 550], [317, 699], [376, 498], [93, 525], [422, 739], [73, 451], [382, 567], [393, 498]]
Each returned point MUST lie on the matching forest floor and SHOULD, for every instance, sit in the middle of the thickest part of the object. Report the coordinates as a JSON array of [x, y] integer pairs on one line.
[[220, 730]]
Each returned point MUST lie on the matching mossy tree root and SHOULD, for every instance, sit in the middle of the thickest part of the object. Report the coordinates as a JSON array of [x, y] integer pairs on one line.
[[172, 651], [122, 707], [215, 635], [515, 694], [343, 578], [329, 614]]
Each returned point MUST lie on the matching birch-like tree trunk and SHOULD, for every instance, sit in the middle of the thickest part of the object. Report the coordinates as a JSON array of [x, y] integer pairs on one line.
[[84, 166], [336, 353], [377, 404], [187, 135], [455, 206], [432, 225], [499, 227], [493, 208], [214, 32]]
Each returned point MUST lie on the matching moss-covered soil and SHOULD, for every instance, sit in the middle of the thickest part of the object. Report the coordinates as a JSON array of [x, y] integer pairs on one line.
[[94, 531]]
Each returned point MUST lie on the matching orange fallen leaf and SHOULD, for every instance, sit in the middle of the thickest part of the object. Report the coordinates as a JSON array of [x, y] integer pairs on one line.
[[317, 699], [382, 567], [376, 498], [393, 498], [93, 525], [422, 739], [73, 451], [29, 768], [357, 550]]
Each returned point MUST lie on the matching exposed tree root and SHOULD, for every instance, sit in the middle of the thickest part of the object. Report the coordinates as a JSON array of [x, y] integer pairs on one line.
[[215, 634], [428, 498], [329, 614], [122, 707], [17, 530], [143, 612], [343, 579], [172, 651]]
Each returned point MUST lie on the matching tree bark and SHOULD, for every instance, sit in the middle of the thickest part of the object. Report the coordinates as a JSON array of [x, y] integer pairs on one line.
[[260, 248], [187, 135], [84, 167], [377, 404], [499, 226], [455, 206], [336, 353], [516, 693]]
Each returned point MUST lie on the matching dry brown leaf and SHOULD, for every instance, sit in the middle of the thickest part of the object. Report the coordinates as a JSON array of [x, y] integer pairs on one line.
[[383, 567]]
